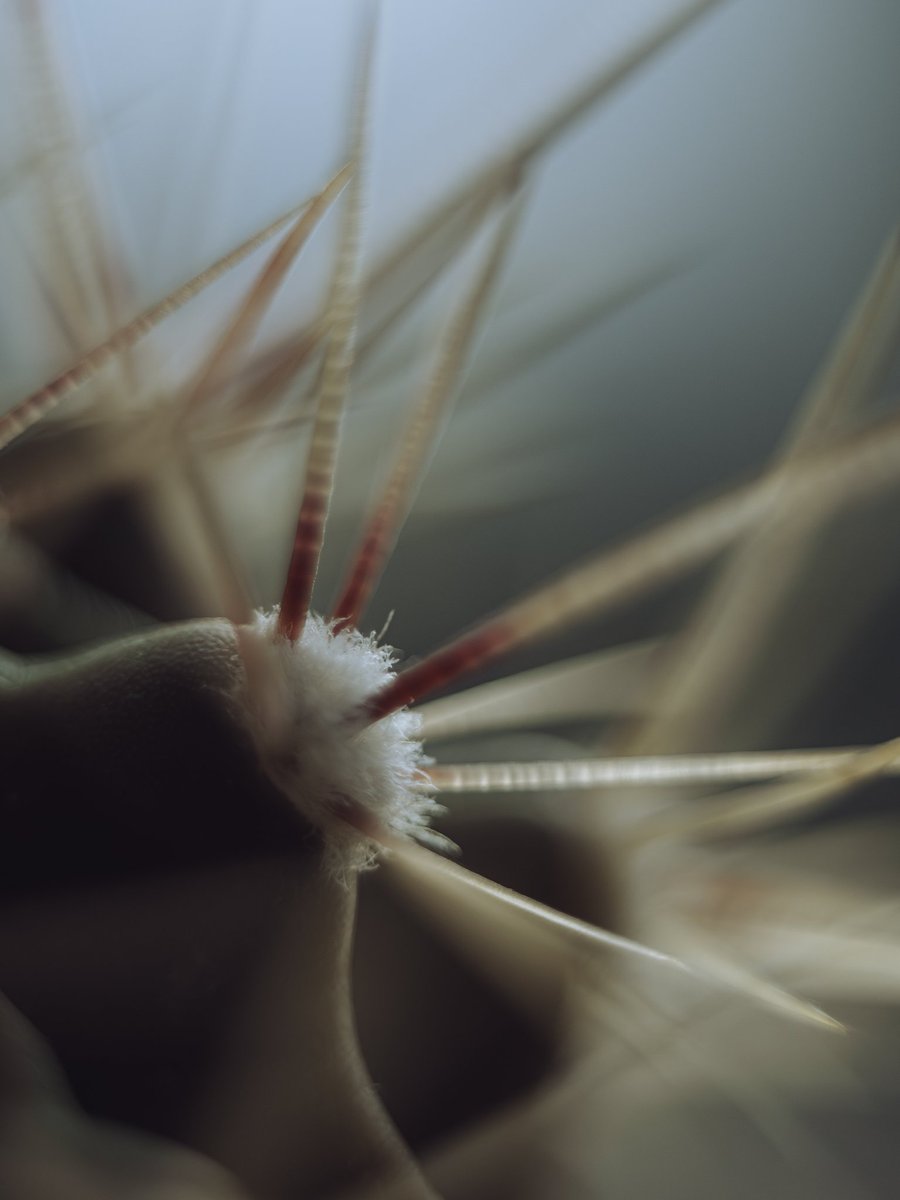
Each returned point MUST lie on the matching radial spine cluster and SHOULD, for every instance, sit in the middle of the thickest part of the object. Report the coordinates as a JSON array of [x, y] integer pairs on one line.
[[321, 755]]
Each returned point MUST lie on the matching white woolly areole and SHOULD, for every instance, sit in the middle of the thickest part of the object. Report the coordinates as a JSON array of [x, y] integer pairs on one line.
[[302, 699]]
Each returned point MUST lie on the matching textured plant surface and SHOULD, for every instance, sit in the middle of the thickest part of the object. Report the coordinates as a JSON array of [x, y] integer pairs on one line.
[[554, 345]]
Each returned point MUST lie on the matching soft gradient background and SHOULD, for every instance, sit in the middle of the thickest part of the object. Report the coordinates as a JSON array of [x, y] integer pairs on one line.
[[688, 252]]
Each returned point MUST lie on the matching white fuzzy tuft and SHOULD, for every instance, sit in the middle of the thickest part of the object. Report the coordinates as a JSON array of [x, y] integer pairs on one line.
[[301, 710]]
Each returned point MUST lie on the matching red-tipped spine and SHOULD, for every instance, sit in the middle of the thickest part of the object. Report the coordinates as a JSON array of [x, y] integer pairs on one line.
[[335, 385], [366, 569], [301, 574], [460, 658], [422, 431]]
